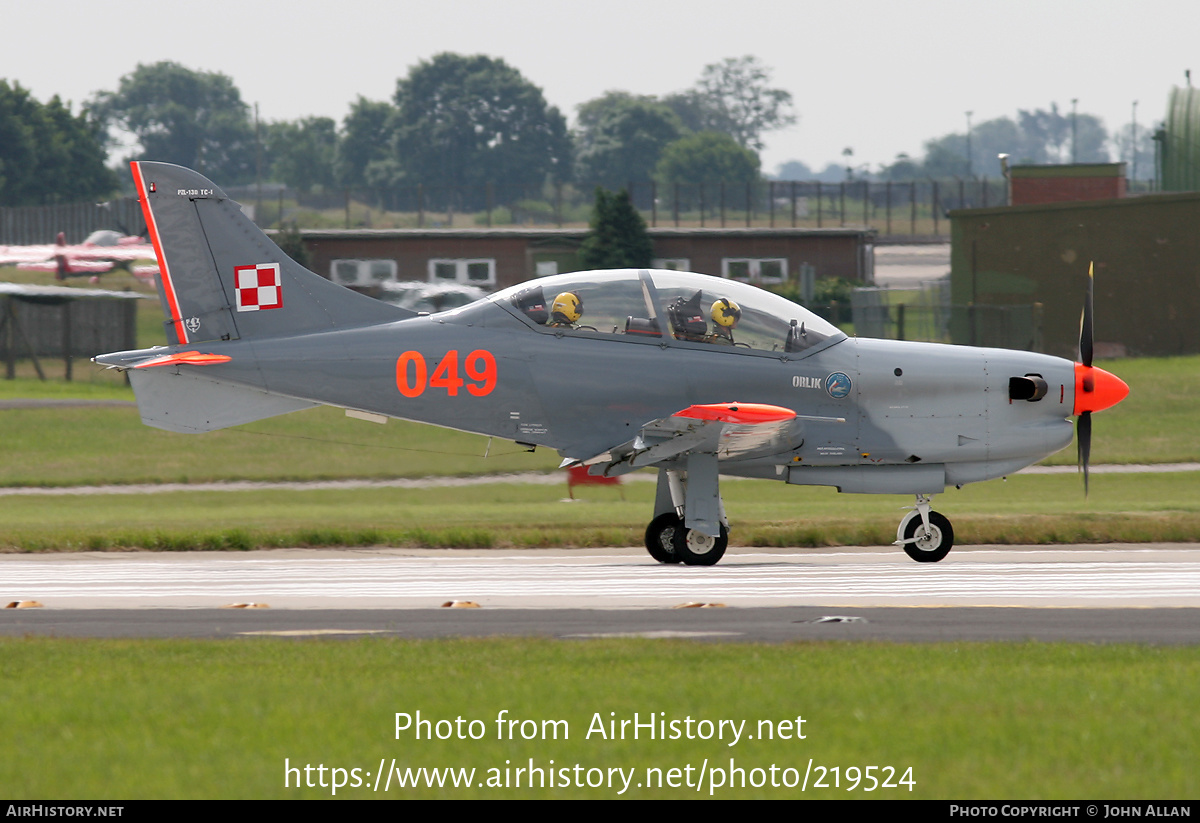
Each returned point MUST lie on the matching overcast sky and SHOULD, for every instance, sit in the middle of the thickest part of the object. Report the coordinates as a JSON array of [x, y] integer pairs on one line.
[[878, 77]]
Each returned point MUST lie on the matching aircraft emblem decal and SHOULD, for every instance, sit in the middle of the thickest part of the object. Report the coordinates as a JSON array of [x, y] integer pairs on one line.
[[193, 324], [838, 385], [258, 287]]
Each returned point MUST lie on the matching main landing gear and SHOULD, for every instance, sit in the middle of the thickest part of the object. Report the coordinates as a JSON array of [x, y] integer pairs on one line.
[[668, 539], [926, 535]]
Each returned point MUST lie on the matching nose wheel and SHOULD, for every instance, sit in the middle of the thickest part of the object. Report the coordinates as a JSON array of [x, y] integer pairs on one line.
[[926, 535]]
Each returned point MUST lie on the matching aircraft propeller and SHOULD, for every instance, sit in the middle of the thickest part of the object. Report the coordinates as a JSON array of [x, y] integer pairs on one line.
[[1095, 389]]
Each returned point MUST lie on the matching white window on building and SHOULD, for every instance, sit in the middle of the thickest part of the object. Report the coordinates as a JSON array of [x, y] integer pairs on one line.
[[362, 272], [480, 272], [672, 263], [545, 268], [766, 270]]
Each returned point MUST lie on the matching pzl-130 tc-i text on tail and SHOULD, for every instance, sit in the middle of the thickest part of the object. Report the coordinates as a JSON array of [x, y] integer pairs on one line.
[[693, 375]]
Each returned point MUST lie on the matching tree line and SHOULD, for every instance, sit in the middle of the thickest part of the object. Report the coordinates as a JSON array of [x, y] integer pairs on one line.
[[462, 122]]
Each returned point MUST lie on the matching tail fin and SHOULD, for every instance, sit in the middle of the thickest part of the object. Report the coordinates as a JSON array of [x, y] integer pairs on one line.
[[221, 278]]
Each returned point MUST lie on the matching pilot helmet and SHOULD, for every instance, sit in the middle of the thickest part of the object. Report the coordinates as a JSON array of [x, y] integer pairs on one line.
[[567, 308], [725, 313]]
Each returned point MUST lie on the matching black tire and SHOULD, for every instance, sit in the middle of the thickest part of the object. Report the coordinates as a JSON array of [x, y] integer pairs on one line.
[[695, 548], [660, 537], [937, 546]]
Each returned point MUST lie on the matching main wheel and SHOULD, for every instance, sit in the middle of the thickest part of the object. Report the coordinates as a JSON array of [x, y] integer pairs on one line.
[[695, 548], [934, 547], [660, 537]]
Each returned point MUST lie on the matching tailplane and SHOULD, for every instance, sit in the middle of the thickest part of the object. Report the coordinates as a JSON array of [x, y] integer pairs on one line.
[[221, 278], [221, 281]]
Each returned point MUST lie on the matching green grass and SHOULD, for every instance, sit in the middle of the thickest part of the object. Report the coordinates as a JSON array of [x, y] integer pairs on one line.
[[217, 719], [88, 445], [1026, 509]]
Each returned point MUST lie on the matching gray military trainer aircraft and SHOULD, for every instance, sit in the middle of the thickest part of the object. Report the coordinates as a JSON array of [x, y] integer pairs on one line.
[[620, 370]]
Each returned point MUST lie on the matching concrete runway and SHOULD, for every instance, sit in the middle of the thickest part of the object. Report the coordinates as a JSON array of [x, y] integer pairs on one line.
[[1146, 593]]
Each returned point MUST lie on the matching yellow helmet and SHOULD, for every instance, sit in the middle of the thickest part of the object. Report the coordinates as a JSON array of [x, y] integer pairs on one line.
[[725, 312], [567, 308]]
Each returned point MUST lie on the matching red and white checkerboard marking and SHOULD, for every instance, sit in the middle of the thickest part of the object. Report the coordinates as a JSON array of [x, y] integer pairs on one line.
[[258, 287]]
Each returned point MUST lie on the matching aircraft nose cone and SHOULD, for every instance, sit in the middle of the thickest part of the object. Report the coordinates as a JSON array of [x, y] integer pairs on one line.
[[1096, 389]]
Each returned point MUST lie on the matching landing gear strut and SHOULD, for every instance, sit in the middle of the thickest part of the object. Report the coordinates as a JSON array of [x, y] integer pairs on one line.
[[926, 535]]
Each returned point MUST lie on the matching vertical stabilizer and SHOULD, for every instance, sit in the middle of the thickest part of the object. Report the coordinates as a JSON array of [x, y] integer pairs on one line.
[[221, 278]]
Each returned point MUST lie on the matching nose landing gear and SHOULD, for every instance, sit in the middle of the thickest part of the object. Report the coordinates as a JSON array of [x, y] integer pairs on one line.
[[926, 535]]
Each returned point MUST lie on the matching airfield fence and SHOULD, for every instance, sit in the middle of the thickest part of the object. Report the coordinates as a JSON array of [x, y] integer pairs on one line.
[[37, 327], [912, 208], [927, 315], [38, 225]]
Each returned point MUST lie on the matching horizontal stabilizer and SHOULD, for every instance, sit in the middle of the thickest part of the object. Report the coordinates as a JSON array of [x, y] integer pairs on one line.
[[191, 404]]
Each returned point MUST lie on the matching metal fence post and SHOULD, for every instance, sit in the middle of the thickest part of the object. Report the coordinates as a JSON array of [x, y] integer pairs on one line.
[[933, 207], [10, 340], [66, 338], [887, 200]]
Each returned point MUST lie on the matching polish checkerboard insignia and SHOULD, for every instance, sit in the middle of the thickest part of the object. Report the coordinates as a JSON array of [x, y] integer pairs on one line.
[[258, 287]]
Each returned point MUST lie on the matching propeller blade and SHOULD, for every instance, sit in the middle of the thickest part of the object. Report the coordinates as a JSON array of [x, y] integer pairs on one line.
[[1083, 434], [1086, 337]]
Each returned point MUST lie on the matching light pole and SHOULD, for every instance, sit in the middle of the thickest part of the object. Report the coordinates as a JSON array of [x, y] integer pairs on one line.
[[1133, 142], [969, 172], [1074, 132]]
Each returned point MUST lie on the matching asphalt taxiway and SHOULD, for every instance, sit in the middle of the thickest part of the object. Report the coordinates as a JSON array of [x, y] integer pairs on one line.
[[1148, 593]]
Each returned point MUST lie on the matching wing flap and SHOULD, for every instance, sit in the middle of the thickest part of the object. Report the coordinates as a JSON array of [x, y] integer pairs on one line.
[[726, 430]]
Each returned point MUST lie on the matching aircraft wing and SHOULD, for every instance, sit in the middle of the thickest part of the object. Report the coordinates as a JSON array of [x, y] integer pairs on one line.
[[126, 253], [70, 266], [728, 430], [39, 254], [26, 254]]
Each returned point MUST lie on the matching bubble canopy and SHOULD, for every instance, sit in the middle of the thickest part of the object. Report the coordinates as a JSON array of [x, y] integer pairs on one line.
[[668, 308]]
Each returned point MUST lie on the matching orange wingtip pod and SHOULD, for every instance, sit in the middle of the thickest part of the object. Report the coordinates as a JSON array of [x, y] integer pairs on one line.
[[1096, 389], [746, 413], [192, 358]]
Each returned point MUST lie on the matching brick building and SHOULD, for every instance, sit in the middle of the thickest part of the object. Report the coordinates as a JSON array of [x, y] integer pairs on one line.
[[500, 257], [1033, 185]]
